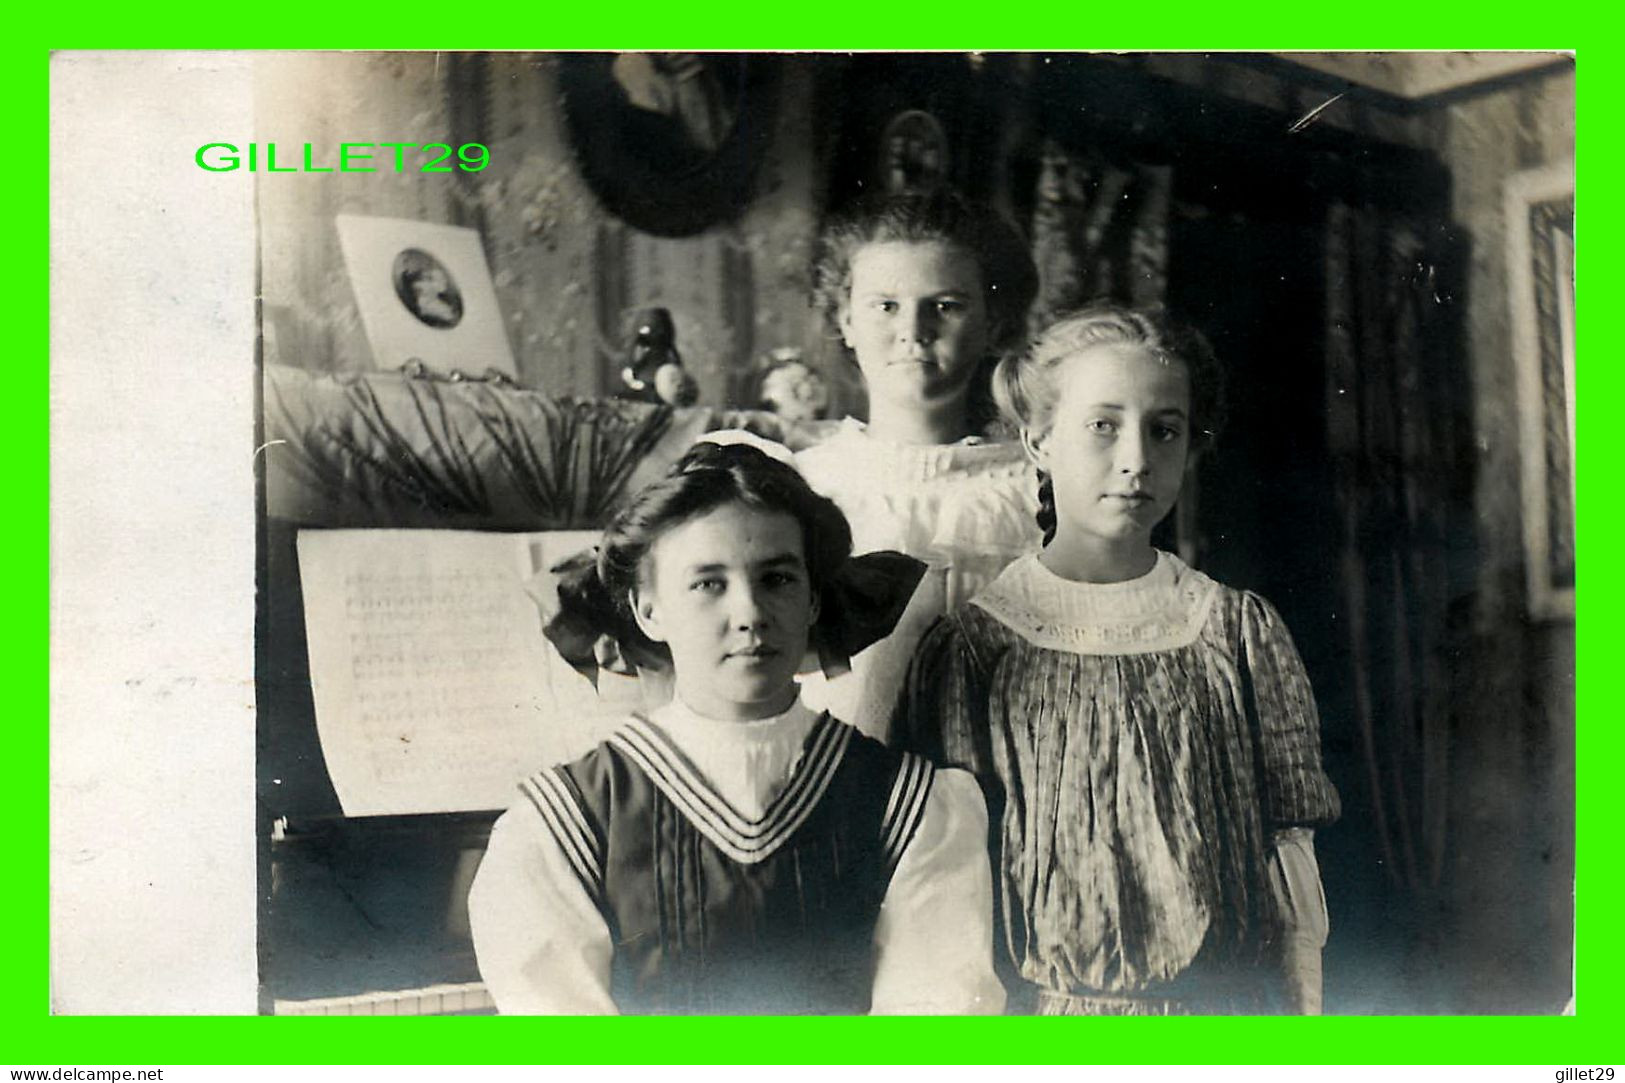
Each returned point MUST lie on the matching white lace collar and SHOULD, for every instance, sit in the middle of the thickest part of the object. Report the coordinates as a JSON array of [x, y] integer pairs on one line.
[[1161, 610], [853, 446]]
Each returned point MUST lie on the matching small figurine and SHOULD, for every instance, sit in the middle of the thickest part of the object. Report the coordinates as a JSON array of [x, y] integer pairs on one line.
[[791, 388], [654, 370]]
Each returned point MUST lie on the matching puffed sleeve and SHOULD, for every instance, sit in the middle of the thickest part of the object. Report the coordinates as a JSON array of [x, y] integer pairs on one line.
[[1296, 789], [941, 711], [541, 943], [934, 938]]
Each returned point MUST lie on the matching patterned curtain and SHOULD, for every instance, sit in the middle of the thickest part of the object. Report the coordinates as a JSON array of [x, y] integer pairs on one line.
[[1100, 232], [1395, 418]]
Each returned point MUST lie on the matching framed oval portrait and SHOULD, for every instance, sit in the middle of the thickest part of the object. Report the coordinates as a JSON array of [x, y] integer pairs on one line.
[[669, 142], [913, 154], [427, 288]]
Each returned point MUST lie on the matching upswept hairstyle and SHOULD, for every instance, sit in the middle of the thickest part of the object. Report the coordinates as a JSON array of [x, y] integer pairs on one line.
[[1009, 277], [1026, 387], [710, 476]]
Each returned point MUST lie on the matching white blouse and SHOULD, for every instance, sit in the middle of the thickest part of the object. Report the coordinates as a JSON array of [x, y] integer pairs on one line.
[[967, 509], [543, 947]]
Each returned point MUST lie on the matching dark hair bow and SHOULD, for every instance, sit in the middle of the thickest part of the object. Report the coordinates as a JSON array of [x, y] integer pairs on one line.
[[586, 626], [862, 604], [592, 632]]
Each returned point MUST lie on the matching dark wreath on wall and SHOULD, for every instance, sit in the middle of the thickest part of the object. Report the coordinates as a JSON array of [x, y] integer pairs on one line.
[[669, 142]]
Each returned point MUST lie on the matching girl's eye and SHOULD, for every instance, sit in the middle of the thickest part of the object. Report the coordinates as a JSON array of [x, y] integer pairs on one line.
[[1102, 426], [707, 586], [1167, 434], [888, 307], [778, 579], [950, 308]]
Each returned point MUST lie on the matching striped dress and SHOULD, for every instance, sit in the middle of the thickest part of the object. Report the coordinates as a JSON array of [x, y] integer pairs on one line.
[[1150, 753]]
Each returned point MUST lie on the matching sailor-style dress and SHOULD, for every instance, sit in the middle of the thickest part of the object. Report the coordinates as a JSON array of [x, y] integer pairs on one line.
[[789, 865]]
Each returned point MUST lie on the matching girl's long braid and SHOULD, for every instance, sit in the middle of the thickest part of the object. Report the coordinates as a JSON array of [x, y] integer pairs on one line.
[[1046, 505], [1025, 385]]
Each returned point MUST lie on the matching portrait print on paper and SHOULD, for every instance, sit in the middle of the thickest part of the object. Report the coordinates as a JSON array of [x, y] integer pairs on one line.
[[427, 289], [425, 295]]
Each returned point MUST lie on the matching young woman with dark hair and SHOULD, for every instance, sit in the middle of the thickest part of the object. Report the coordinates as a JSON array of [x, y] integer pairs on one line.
[[733, 851]]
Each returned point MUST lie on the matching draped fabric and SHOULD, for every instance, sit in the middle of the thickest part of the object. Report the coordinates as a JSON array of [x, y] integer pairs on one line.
[[1394, 400], [390, 449], [1100, 232]]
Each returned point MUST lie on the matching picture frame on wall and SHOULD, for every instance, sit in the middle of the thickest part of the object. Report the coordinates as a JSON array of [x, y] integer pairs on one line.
[[425, 295], [669, 143], [1465, 900], [1540, 276]]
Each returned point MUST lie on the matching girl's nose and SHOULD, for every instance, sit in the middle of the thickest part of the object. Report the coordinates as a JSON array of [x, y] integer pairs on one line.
[[1131, 457], [746, 612], [922, 327]]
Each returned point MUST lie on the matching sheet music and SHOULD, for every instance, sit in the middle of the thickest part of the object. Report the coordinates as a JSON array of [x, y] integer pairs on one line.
[[435, 689]]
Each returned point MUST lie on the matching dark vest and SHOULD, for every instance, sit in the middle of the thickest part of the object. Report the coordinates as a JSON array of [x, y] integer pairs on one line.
[[712, 913]]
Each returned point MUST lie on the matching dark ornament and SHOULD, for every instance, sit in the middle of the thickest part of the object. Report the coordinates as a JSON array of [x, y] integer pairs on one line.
[[654, 369], [913, 154]]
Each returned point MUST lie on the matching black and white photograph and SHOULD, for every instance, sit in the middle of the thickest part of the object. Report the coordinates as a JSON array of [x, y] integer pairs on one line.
[[426, 288], [424, 294], [819, 534]]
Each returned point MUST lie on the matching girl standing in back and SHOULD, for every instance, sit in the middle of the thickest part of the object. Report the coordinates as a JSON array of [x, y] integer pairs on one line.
[[925, 293], [1146, 736]]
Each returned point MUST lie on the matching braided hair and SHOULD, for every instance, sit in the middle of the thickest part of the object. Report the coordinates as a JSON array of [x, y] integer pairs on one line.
[[1046, 505], [1026, 386]]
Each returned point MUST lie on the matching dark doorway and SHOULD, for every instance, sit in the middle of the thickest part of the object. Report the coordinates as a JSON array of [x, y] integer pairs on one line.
[[1267, 521]]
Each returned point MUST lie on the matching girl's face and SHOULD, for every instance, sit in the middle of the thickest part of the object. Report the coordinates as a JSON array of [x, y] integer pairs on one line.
[[916, 319], [729, 595], [1117, 444]]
